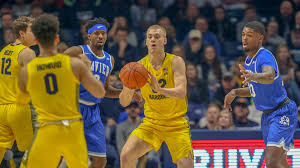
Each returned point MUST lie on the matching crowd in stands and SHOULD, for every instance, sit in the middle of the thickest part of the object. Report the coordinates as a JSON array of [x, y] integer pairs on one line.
[[206, 33]]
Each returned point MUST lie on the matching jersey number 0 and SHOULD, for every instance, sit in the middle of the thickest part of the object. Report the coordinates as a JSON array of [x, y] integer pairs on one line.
[[51, 83]]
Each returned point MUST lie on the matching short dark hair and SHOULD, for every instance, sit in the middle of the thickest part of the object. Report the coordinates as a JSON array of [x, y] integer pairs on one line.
[[21, 24], [95, 21], [123, 29], [45, 29], [257, 27]]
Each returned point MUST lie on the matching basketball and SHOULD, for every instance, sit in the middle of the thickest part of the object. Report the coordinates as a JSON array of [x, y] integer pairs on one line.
[[134, 75]]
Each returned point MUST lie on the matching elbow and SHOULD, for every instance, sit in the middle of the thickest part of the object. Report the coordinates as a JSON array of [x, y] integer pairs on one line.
[[182, 95], [123, 103], [101, 93]]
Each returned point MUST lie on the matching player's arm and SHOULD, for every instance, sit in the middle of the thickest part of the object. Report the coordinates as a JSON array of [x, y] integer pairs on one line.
[[25, 56], [267, 75], [22, 94], [110, 91], [84, 75], [77, 52], [240, 92], [179, 91]]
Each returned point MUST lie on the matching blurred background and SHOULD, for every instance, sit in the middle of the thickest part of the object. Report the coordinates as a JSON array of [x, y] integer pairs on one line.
[[206, 33]]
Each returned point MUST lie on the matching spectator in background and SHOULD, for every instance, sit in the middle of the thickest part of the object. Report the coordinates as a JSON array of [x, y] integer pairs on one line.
[[227, 84], [249, 15], [207, 36], [83, 10], [125, 128], [36, 9], [287, 68], [272, 39], [211, 69], [179, 51], [5, 8], [6, 22], [221, 26], [240, 114], [286, 18], [225, 121], [297, 18], [20, 8], [110, 9], [8, 37], [171, 33], [235, 69], [194, 49], [176, 11], [197, 90], [187, 23], [142, 16], [294, 43], [121, 22], [122, 51], [298, 117], [209, 121]]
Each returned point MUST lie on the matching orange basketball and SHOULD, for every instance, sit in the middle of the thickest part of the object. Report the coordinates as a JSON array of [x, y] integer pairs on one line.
[[134, 75]]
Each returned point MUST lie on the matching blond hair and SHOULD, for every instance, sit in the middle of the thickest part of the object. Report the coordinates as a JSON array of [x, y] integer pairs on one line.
[[158, 27], [231, 125], [21, 24]]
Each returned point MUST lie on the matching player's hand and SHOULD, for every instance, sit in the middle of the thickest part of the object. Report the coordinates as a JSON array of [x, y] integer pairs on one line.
[[246, 75], [228, 100], [154, 84], [137, 96]]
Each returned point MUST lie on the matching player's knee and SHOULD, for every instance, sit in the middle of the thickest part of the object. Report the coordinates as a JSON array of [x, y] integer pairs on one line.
[[99, 162], [125, 157], [273, 163]]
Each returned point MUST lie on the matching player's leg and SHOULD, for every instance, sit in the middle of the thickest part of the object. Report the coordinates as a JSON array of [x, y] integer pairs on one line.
[[6, 133], [74, 148], [21, 125], [179, 143], [274, 157], [2, 152], [282, 125], [98, 162], [45, 150], [133, 149]]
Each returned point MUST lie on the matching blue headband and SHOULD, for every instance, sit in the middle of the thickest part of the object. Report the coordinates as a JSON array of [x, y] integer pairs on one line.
[[97, 27]]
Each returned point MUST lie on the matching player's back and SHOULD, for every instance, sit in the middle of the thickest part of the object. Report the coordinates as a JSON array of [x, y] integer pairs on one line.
[[158, 106], [9, 72], [53, 88]]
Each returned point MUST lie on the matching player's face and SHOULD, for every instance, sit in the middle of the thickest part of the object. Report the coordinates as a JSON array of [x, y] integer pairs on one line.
[[251, 40], [156, 40], [97, 39], [28, 36]]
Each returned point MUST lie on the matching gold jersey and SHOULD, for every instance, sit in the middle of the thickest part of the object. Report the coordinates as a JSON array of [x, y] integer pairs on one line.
[[9, 72], [53, 88], [158, 106]]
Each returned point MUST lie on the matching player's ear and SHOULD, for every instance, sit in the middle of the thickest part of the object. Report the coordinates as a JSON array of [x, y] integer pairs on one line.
[[21, 33], [165, 40]]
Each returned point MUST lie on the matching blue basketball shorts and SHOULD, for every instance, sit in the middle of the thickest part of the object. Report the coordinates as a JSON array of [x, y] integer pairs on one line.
[[93, 130], [278, 127]]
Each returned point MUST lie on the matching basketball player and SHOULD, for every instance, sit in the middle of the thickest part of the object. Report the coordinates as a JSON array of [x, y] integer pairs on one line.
[[165, 106], [101, 64], [15, 120], [262, 82], [52, 81]]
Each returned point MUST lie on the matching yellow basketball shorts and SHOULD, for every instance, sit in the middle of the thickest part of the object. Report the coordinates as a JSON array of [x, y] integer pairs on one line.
[[15, 124], [175, 133], [54, 141]]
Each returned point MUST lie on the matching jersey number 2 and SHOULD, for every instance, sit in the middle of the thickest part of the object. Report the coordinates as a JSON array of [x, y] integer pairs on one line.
[[162, 83], [51, 83], [4, 69]]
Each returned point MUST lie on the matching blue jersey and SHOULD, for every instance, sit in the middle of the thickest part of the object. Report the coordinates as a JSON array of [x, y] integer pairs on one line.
[[265, 96], [100, 67]]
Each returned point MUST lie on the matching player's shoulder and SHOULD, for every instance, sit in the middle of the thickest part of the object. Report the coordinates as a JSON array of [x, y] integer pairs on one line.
[[265, 54]]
